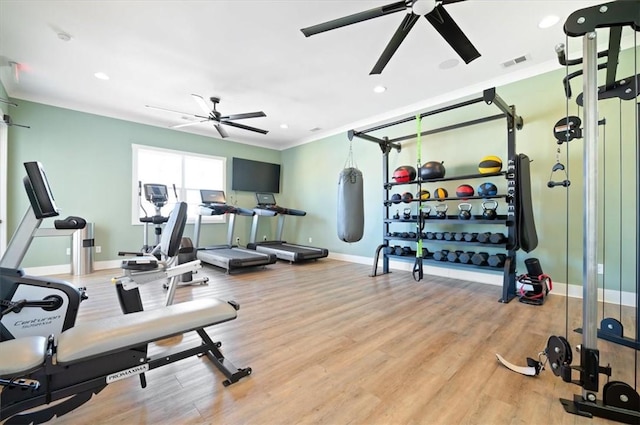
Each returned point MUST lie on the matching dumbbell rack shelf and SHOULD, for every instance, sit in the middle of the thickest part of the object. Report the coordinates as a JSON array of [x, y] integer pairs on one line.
[[513, 123]]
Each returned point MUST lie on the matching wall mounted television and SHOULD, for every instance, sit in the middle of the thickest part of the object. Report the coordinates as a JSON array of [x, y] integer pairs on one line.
[[255, 176]]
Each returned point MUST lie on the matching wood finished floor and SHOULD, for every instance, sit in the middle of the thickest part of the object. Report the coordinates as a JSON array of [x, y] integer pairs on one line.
[[330, 345]]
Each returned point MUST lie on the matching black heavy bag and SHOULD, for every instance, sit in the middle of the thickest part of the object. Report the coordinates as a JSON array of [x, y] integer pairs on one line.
[[350, 205]]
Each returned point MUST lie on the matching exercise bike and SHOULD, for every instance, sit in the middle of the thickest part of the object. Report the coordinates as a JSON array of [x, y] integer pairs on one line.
[[36, 306]]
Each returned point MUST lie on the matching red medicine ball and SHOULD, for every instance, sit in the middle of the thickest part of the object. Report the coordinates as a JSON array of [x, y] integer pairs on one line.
[[464, 191], [404, 174]]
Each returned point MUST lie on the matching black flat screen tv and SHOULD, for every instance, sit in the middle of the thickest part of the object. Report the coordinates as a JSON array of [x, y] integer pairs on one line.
[[255, 176]]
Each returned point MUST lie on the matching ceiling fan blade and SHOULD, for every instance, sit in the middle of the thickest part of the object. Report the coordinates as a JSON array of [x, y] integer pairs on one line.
[[244, 116], [221, 131], [451, 32], [407, 23], [244, 127], [355, 18], [201, 103], [170, 110], [187, 124]]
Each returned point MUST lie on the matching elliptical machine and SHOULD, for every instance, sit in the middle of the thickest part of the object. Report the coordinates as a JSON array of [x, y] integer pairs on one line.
[[36, 306]]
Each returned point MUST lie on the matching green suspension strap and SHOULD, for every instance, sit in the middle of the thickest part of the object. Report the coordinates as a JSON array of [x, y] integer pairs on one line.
[[418, 273]]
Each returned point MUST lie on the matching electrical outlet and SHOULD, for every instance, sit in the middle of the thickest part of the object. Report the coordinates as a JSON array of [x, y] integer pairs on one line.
[[264, 238], [98, 249], [310, 239], [68, 251], [238, 241], [600, 268]]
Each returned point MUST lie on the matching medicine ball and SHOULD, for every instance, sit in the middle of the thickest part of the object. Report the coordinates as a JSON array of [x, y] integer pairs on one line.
[[464, 191], [490, 164], [487, 189], [404, 174], [396, 198], [423, 195], [440, 193], [407, 197], [432, 170]]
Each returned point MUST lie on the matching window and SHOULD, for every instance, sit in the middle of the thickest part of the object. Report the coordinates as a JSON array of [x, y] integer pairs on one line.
[[187, 172]]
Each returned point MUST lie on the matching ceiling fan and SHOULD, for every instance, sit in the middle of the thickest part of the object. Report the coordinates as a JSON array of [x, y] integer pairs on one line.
[[432, 10], [212, 114]]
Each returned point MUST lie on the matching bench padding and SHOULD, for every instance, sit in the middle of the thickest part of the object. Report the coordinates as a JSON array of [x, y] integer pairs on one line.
[[21, 356], [95, 338]]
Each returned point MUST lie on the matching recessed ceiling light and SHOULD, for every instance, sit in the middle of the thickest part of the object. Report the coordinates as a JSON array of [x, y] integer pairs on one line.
[[548, 21], [379, 89], [449, 63], [101, 76], [284, 126]]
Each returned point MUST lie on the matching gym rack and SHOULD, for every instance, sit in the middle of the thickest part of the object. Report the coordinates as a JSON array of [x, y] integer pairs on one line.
[[513, 123]]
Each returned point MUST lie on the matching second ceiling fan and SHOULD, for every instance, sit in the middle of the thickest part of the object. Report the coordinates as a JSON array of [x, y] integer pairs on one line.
[[212, 114], [432, 10]]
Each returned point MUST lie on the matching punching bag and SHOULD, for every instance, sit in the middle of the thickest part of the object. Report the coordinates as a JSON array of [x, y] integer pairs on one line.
[[350, 205]]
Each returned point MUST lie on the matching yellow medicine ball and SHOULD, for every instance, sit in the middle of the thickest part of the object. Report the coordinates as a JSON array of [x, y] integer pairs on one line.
[[490, 164]]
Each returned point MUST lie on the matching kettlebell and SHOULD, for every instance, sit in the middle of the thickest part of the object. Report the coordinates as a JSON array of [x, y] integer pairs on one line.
[[465, 211], [406, 213], [426, 212], [396, 216], [489, 210], [441, 211]]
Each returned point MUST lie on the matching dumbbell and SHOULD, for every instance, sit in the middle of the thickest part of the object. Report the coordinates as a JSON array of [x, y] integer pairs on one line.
[[423, 235], [389, 250], [439, 236], [404, 234], [480, 258], [411, 235], [441, 255], [453, 256], [397, 250], [430, 235], [483, 237], [425, 253], [470, 237], [448, 236], [459, 236], [465, 257], [406, 250], [496, 260], [497, 238]]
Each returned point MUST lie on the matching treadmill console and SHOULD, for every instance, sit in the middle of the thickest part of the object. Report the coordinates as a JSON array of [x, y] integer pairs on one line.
[[212, 196], [265, 199]]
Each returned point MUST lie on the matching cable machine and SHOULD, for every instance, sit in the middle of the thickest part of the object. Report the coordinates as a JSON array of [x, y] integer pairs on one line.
[[620, 402]]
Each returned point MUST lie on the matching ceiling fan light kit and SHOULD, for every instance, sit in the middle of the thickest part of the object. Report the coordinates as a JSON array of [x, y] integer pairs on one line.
[[432, 10]]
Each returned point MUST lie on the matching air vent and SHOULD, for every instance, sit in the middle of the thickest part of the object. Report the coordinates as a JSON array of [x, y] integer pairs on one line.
[[515, 61]]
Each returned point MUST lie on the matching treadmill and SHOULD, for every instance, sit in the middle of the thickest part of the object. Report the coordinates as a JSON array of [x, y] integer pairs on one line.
[[229, 257], [284, 251]]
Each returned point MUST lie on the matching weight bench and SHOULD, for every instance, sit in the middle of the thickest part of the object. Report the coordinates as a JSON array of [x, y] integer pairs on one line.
[[83, 360]]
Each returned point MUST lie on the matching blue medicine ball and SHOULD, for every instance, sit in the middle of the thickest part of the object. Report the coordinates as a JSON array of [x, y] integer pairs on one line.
[[487, 189]]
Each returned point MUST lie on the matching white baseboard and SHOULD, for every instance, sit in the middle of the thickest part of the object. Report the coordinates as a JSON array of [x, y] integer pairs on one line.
[[66, 268], [574, 291]]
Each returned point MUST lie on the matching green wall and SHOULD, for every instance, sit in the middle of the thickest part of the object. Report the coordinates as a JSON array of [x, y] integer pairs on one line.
[[540, 101], [88, 161]]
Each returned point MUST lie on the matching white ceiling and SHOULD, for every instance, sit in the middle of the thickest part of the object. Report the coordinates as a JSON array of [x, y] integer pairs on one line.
[[253, 56]]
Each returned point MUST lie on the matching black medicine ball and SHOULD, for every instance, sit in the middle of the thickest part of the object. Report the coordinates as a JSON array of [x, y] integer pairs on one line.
[[432, 170], [396, 198]]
